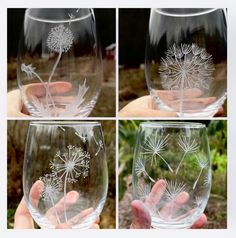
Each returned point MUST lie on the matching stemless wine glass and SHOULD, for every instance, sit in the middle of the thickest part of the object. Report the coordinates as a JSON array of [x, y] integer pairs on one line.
[[65, 176], [186, 60], [172, 172], [59, 68]]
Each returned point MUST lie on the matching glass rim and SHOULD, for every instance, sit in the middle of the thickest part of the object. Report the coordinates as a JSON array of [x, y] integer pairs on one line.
[[65, 123], [28, 15], [165, 124], [199, 13]]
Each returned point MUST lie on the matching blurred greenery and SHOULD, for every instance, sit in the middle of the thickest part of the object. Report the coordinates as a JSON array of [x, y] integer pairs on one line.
[[16, 136], [216, 210]]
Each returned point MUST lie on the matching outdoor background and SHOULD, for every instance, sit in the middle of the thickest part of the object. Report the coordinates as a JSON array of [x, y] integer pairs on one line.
[[105, 20], [16, 137], [216, 210], [133, 28]]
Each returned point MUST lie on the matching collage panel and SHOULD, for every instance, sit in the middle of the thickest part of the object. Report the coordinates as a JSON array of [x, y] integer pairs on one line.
[[169, 65], [61, 62], [172, 174], [66, 172]]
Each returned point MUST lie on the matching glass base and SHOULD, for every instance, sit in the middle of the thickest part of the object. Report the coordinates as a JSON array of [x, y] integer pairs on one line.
[[171, 225], [209, 111]]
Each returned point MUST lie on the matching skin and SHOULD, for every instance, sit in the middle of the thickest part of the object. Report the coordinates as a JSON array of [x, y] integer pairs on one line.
[[23, 219], [15, 106], [141, 216]]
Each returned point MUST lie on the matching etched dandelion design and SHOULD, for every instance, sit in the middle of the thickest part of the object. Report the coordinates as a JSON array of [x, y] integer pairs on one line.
[[189, 146], [143, 190], [202, 163], [141, 171], [186, 66], [60, 39], [173, 189], [66, 167], [71, 165], [154, 146], [51, 187], [28, 69]]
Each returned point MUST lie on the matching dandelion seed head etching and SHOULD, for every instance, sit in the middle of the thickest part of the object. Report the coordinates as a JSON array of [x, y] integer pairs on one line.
[[153, 147], [60, 39], [186, 62], [71, 164], [173, 189], [52, 187]]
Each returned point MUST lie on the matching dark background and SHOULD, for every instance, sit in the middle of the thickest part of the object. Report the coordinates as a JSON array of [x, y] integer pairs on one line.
[[133, 26]]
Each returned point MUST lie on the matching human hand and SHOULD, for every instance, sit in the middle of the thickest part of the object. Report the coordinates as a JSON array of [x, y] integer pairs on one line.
[[145, 107], [24, 220], [15, 106], [140, 210]]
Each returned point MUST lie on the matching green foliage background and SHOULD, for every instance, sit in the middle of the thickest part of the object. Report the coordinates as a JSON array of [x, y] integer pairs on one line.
[[217, 133]]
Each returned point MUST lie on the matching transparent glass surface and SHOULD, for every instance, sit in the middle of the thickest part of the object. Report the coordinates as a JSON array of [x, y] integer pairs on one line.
[[59, 68], [65, 176], [186, 60], [172, 172]]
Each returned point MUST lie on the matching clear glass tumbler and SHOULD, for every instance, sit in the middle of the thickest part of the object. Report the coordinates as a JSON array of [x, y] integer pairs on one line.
[[65, 176], [172, 172], [186, 60], [59, 68]]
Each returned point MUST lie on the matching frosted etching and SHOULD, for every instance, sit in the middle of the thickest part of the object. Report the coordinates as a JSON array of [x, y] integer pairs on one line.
[[185, 67]]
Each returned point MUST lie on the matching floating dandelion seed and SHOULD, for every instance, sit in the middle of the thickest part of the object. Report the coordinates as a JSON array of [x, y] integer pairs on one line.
[[188, 146], [28, 69], [185, 67], [202, 163], [60, 39], [153, 147], [140, 169]]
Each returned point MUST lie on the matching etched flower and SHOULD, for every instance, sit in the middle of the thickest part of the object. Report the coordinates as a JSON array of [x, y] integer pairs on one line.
[[153, 147], [28, 69], [71, 165], [185, 67], [52, 187], [173, 189], [189, 146], [60, 39], [202, 162]]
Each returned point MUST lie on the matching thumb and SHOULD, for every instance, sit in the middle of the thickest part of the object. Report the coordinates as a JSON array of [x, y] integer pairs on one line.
[[141, 216]]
